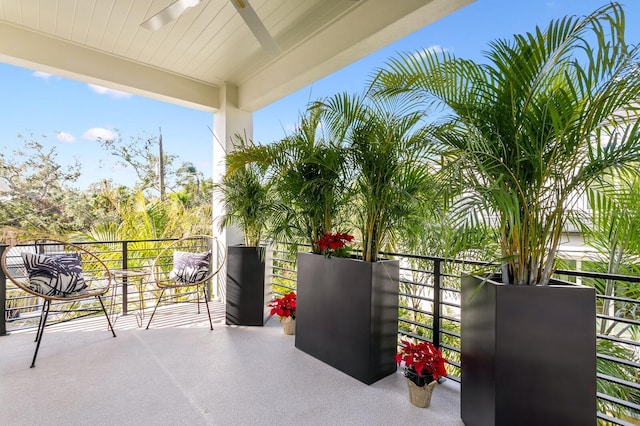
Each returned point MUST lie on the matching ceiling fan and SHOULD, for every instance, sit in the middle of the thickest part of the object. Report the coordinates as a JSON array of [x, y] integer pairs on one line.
[[248, 14]]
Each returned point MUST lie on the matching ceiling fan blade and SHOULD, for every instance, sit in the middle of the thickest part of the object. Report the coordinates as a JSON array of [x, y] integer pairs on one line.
[[168, 14], [256, 26]]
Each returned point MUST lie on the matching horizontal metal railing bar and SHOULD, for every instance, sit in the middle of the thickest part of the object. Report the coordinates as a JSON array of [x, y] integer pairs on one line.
[[618, 381], [280, 293], [452, 349], [413, 335], [618, 360], [435, 258], [454, 378], [283, 277], [406, 281], [450, 275], [412, 309], [416, 270], [599, 275], [618, 401], [281, 252], [450, 289], [450, 333], [452, 304], [618, 299], [618, 340], [279, 268], [613, 420], [282, 259], [416, 323], [414, 296], [618, 319], [448, 318]]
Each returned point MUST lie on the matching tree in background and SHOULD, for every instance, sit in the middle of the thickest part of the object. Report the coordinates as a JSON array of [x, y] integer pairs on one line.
[[142, 154], [39, 197], [37, 190]]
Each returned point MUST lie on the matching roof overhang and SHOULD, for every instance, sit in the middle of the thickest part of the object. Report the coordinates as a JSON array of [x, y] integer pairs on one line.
[[186, 62]]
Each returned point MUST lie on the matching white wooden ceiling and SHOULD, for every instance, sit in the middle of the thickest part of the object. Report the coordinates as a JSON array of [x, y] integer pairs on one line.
[[188, 60]]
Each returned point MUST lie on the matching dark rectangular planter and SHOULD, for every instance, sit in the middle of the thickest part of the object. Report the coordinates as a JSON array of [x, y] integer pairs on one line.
[[528, 354], [248, 285], [347, 314]]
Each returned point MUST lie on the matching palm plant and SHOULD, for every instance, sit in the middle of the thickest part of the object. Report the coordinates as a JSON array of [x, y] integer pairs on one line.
[[527, 131], [246, 200], [387, 151], [307, 172], [613, 228]]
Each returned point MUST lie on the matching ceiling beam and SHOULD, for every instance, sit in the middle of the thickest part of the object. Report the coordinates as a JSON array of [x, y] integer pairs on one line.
[[379, 23], [58, 57]]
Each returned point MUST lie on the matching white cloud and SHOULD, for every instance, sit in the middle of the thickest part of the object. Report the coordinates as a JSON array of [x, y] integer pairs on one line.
[[436, 48], [65, 137], [116, 94], [96, 133], [42, 75]]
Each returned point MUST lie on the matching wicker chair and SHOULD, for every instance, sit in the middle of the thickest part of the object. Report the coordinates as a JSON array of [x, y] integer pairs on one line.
[[56, 271], [188, 262]]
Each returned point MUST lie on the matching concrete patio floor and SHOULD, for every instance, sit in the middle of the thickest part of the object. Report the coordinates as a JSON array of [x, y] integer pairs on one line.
[[180, 373]]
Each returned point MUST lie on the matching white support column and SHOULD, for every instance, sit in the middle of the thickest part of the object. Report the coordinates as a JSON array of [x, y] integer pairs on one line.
[[227, 121]]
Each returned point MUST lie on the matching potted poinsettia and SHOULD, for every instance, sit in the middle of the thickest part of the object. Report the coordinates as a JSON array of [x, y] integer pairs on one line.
[[285, 308], [546, 114], [335, 244], [424, 367]]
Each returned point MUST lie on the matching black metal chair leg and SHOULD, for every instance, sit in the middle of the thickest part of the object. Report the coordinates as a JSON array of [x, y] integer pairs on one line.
[[206, 302], [41, 332], [198, 299], [44, 302], [107, 315], [156, 307]]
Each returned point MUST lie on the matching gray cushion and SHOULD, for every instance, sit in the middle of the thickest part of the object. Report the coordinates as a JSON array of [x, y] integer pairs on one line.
[[58, 275], [190, 267]]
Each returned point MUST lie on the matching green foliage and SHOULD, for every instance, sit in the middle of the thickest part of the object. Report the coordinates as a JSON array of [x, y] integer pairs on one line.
[[143, 156], [387, 150], [246, 198], [307, 173], [620, 371], [39, 198], [37, 191], [526, 132]]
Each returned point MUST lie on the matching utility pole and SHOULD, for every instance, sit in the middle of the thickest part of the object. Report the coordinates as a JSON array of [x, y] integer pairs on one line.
[[161, 166]]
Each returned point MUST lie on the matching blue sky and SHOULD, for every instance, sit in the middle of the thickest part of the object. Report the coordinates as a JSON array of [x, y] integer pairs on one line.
[[69, 114]]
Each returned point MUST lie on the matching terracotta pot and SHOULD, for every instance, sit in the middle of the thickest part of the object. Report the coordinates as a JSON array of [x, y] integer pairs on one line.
[[421, 395], [288, 325]]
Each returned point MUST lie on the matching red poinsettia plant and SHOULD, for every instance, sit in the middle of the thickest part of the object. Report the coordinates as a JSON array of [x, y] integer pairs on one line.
[[423, 363], [284, 306], [334, 244]]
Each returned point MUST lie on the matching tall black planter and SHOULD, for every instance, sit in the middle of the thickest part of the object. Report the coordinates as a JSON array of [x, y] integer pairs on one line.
[[347, 314], [528, 354], [248, 285]]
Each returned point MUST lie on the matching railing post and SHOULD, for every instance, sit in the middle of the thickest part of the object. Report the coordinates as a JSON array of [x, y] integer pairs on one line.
[[3, 297], [125, 265], [437, 282], [209, 286]]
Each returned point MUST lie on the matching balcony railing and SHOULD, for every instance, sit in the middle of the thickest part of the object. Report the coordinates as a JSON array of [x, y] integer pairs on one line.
[[130, 294], [429, 309]]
